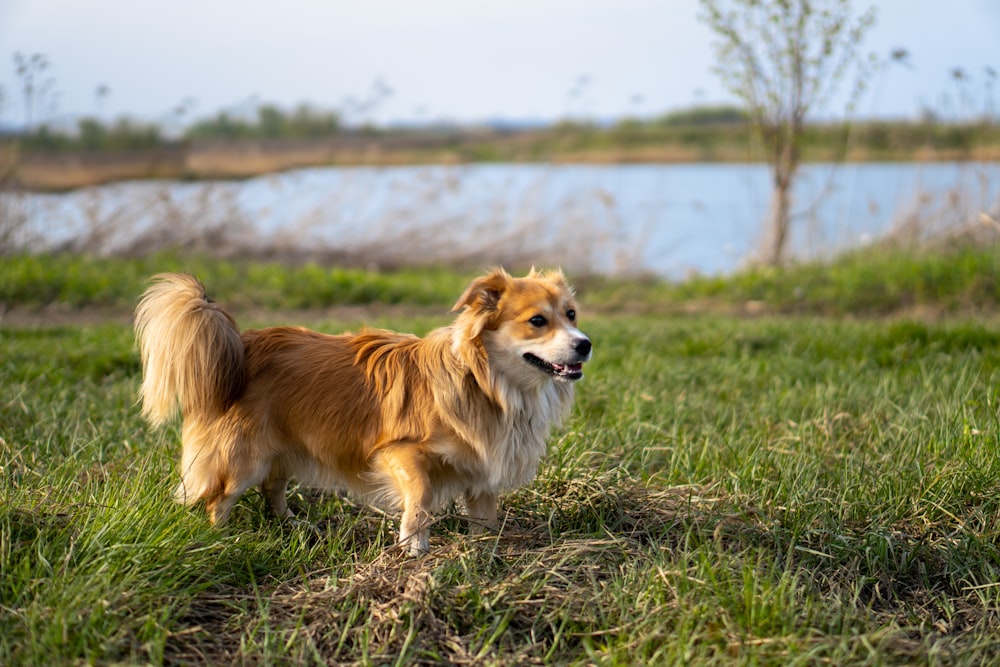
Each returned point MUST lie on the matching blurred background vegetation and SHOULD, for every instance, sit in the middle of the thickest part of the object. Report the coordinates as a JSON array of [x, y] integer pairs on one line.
[[43, 155], [710, 133]]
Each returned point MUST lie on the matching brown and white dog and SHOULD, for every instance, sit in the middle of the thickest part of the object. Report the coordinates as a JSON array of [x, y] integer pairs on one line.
[[406, 422]]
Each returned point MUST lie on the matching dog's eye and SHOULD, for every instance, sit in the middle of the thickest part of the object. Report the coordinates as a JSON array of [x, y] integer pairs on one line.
[[538, 321], [571, 315]]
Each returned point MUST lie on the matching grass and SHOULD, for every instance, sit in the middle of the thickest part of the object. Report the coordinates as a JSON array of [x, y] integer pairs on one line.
[[884, 278], [75, 281], [772, 490]]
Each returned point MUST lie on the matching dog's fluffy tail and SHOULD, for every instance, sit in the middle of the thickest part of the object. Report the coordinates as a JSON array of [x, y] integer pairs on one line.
[[192, 354]]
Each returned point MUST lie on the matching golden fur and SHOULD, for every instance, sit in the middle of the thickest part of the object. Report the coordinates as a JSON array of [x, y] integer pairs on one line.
[[406, 422]]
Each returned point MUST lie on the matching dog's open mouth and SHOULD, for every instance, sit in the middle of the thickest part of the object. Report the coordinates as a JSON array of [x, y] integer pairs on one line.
[[567, 372]]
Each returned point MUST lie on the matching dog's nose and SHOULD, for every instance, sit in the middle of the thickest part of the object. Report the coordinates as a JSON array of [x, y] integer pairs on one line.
[[582, 347]]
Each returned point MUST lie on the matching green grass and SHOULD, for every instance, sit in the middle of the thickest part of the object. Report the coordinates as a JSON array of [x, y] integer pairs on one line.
[[881, 279], [76, 281], [877, 280], [773, 490]]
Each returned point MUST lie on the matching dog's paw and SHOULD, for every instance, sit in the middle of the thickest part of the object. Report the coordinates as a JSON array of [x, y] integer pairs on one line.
[[417, 545]]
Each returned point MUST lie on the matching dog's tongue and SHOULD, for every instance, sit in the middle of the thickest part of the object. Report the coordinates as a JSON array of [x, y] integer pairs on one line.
[[570, 368]]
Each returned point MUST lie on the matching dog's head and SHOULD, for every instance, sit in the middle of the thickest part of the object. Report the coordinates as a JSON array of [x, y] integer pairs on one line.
[[527, 326]]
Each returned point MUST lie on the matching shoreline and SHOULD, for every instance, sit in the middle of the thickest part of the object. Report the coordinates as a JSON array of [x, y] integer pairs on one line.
[[64, 171]]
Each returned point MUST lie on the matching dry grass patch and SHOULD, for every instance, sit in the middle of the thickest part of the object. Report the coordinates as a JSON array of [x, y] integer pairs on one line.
[[534, 591], [604, 569]]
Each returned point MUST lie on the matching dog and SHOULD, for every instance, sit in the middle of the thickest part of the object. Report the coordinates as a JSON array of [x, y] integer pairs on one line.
[[407, 423]]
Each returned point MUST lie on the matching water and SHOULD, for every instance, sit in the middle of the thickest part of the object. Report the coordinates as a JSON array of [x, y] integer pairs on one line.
[[666, 219]]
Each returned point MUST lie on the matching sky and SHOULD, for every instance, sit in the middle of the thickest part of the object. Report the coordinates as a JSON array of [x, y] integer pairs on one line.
[[444, 60]]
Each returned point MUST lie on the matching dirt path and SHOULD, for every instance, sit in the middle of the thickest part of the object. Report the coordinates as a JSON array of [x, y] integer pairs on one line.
[[54, 316]]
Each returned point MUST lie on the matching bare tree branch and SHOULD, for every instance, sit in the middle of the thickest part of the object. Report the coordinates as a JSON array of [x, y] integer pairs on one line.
[[785, 59]]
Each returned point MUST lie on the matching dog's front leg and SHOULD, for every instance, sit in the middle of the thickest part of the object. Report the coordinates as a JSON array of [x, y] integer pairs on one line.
[[406, 466], [414, 530], [482, 509]]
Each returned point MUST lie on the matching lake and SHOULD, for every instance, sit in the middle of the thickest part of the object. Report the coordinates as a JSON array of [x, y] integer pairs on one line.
[[670, 220]]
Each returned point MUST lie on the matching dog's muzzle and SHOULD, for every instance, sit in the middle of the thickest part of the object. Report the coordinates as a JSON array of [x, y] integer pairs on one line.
[[569, 371]]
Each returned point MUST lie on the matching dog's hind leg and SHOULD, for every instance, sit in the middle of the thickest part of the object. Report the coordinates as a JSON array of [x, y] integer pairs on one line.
[[220, 504], [274, 489], [239, 475], [199, 463], [236, 470]]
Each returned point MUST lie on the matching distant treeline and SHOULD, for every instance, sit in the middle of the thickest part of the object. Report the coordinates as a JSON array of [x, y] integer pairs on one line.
[[128, 135], [703, 133], [92, 135], [271, 123], [870, 140]]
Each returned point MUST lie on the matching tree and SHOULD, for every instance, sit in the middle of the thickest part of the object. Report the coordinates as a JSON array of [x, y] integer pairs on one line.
[[93, 135], [271, 122], [784, 59], [28, 69]]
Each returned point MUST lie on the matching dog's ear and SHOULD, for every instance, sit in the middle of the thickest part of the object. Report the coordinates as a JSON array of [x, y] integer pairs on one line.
[[481, 300], [483, 294], [554, 276], [558, 278]]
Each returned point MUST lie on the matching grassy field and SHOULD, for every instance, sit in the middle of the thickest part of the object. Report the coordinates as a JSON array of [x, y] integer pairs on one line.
[[956, 278], [781, 489]]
